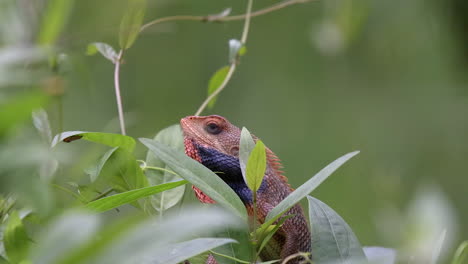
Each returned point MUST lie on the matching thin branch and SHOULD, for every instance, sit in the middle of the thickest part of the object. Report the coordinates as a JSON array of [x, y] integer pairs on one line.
[[202, 107], [248, 13], [224, 19], [117, 92]]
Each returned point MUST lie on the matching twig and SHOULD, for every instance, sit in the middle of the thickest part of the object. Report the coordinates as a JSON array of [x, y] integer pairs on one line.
[[224, 19], [104, 194], [117, 92]]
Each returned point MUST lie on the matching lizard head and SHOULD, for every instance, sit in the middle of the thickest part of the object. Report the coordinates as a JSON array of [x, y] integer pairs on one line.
[[213, 132]]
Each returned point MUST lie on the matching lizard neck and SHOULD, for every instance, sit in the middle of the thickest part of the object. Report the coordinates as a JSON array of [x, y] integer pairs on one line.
[[227, 168]]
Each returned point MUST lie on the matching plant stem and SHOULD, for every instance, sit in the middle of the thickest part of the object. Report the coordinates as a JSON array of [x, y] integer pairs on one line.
[[220, 88], [161, 169], [248, 13], [104, 194], [224, 19], [117, 92]]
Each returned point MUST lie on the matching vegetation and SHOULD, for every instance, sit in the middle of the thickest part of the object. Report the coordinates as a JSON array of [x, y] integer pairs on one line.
[[98, 201]]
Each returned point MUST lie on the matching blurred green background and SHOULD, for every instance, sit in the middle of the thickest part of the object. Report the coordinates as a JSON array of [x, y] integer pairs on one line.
[[320, 79]]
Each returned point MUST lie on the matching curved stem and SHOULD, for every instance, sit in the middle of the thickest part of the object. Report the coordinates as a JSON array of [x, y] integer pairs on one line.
[[161, 169], [224, 19], [245, 32], [220, 88], [117, 92]]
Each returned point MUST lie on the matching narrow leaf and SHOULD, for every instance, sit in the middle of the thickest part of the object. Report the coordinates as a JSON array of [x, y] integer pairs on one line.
[[173, 137], [41, 122], [109, 139], [176, 253], [256, 166], [198, 175], [246, 146], [145, 241], [111, 202], [308, 187], [15, 239], [461, 254], [131, 23], [54, 20], [106, 50], [215, 81], [63, 236], [333, 241]]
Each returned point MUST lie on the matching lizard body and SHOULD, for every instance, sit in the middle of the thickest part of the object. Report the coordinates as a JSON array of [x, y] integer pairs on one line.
[[214, 142]]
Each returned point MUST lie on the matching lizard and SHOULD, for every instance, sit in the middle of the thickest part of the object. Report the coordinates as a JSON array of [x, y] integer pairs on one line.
[[214, 142]]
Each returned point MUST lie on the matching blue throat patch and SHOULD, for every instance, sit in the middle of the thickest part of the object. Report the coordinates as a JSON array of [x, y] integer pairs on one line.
[[227, 168]]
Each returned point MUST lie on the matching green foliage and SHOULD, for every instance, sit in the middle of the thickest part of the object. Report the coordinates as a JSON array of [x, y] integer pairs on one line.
[[246, 145], [113, 140], [158, 172], [117, 200], [198, 175], [256, 166], [54, 20], [16, 241], [215, 82], [461, 254], [131, 23], [332, 239]]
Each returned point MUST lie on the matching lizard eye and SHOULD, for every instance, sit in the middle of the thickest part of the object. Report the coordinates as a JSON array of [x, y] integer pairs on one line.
[[213, 128]]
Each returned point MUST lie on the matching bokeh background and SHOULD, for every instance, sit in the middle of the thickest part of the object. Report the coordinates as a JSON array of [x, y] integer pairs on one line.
[[320, 79]]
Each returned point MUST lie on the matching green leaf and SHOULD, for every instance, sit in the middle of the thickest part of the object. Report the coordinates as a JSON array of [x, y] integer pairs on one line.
[[106, 50], [18, 109], [96, 170], [198, 175], [3, 261], [246, 146], [173, 137], [256, 166], [461, 254], [111, 202], [15, 239], [333, 241], [63, 236], [123, 172], [42, 124], [176, 253], [307, 187], [109, 139], [215, 82], [54, 20], [264, 236], [150, 239], [131, 23]]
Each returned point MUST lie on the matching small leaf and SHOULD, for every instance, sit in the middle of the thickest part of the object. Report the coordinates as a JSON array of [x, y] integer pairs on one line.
[[54, 20], [222, 14], [131, 23], [41, 122], [106, 50], [109, 139], [111, 202], [215, 82], [308, 187], [246, 146], [198, 175], [96, 170], [256, 166], [234, 48], [333, 241], [15, 239], [461, 254], [171, 136], [176, 253]]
